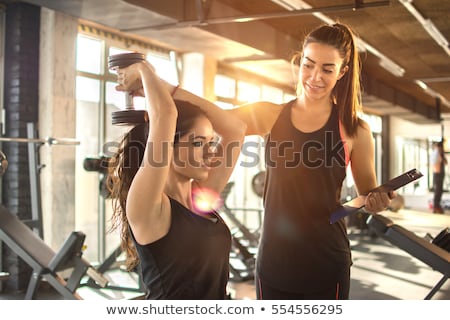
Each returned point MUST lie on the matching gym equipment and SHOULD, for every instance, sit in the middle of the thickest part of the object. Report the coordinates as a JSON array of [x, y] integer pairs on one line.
[[3, 163], [442, 240], [242, 231], [3, 167], [34, 168], [100, 165], [244, 241], [357, 203], [258, 183], [111, 262], [33, 154], [4, 276], [129, 116], [46, 263], [432, 255], [48, 140]]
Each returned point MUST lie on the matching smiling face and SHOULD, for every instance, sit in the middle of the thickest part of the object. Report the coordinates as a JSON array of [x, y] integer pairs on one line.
[[192, 153], [320, 69]]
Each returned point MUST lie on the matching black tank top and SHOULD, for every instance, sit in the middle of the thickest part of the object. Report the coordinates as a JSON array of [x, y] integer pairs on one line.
[[300, 250], [191, 261]]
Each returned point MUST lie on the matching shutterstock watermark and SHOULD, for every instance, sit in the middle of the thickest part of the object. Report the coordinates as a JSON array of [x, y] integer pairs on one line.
[[287, 154]]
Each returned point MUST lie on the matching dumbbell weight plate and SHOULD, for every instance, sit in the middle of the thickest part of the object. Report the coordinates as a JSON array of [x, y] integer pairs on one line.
[[123, 60], [129, 117]]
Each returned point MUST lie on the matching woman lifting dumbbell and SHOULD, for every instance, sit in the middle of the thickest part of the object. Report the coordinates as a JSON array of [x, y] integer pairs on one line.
[[167, 182]]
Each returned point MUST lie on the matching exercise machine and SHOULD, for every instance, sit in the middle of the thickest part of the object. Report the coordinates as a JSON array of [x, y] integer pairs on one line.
[[47, 264], [113, 262], [100, 165], [424, 250], [244, 240], [24, 237]]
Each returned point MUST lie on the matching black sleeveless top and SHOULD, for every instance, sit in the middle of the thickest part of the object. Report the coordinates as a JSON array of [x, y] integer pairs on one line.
[[191, 261], [300, 250]]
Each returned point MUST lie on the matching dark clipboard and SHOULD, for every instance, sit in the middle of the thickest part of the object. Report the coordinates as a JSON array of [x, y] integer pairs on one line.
[[391, 185]]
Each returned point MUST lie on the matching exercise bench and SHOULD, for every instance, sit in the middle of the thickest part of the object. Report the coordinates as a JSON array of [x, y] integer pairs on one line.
[[432, 255], [44, 261]]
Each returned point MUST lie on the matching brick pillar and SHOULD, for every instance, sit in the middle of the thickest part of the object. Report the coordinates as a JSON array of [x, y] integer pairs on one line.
[[22, 28]]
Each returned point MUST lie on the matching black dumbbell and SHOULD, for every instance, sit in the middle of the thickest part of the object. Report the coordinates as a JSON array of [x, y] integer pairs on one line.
[[129, 116]]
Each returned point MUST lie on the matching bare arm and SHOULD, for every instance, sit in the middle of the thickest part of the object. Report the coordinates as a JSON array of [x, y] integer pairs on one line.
[[363, 169], [231, 130], [148, 210], [259, 116]]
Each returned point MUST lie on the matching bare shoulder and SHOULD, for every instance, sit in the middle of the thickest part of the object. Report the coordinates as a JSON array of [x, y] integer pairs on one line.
[[264, 107], [259, 116], [363, 139], [150, 224], [363, 131]]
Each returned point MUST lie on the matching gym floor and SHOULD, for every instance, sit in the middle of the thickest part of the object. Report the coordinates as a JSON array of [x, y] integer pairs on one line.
[[380, 270]]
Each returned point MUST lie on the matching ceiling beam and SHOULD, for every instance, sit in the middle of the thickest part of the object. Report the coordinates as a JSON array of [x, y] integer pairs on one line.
[[275, 43], [240, 18], [381, 90]]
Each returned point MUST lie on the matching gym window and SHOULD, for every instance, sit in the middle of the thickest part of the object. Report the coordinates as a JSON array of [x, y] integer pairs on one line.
[[97, 99]]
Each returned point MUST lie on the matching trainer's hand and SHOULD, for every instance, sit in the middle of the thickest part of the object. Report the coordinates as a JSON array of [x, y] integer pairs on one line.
[[378, 201]]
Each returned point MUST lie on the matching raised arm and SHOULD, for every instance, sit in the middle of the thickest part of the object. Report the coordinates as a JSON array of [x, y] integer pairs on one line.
[[231, 131], [259, 116], [250, 119], [146, 205]]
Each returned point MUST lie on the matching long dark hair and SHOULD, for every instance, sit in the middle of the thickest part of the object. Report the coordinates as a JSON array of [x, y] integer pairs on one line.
[[125, 164], [347, 91]]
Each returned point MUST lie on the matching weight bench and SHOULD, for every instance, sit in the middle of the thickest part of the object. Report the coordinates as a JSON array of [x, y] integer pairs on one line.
[[432, 255], [46, 263]]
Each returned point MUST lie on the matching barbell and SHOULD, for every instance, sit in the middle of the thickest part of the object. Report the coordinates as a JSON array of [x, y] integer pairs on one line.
[[48, 140]]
